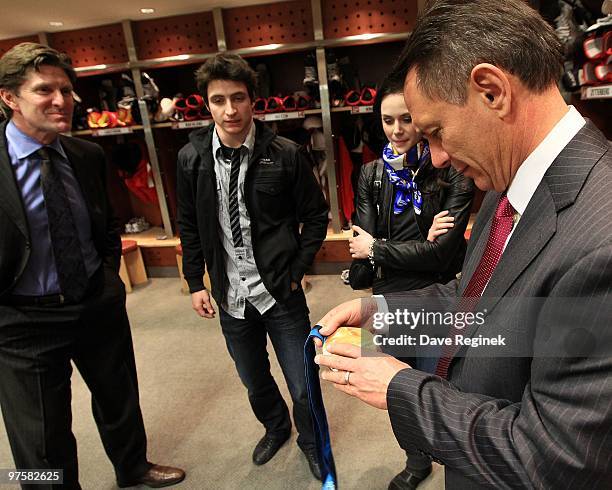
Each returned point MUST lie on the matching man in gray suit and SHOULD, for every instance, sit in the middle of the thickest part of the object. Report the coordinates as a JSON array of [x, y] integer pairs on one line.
[[480, 82]]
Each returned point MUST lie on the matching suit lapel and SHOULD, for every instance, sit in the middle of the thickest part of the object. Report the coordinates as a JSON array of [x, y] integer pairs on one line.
[[533, 231], [10, 197], [558, 189]]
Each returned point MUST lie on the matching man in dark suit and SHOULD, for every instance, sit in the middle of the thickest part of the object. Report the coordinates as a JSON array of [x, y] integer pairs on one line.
[[481, 84], [61, 299]]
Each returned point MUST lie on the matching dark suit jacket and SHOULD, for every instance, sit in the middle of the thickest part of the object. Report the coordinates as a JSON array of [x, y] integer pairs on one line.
[[527, 421], [88, 162]]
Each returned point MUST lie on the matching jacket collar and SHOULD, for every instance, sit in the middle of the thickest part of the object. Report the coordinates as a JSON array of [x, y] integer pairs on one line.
[[10, 197], [558, 190], [23, 146], [569, 172], [201, 139]]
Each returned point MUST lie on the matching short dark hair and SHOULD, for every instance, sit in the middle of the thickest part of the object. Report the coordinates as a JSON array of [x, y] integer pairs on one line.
[[17, 61], [452, 36], [226, 66]]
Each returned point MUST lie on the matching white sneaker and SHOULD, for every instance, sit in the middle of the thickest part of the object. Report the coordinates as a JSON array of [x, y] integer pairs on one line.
[[344, 275]]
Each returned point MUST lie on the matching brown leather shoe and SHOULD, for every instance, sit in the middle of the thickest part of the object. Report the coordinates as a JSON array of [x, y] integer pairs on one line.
[[157, 477]]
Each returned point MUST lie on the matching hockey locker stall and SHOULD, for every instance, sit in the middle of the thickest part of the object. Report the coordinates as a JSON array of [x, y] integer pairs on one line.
[[279, 36]]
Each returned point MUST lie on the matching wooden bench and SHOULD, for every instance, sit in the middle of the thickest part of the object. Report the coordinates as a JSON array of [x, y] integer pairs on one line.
[[132, 270]]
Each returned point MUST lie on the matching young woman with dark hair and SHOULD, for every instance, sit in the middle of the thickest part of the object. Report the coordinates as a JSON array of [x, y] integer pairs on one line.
[[411, 218]]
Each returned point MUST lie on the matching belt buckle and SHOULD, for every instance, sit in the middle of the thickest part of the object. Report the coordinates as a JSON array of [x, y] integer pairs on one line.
[[53, 300]]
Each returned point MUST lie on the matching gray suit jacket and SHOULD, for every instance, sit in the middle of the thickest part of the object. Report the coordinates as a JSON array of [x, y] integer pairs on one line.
[[526, 421]]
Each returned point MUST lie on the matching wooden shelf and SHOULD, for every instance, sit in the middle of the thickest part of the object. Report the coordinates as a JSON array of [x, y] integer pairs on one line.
[[198, 123], [334, 237], [106, 131], [283, 116], [354, 110], [149, 238], [266, 50]]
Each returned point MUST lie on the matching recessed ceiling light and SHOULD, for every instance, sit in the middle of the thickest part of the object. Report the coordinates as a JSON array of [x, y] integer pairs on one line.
[[56, 23], [147, 11]]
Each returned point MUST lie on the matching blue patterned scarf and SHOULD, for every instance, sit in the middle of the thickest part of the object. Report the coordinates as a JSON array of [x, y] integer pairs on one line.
[[403, 180]]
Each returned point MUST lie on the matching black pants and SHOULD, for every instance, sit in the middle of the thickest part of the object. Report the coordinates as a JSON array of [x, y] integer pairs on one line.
[[288, 326], [36, 350]]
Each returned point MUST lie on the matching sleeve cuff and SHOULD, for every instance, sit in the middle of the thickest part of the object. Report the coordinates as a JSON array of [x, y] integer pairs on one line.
[[195, 284], [402, 406], [297, 271], [381, 327]]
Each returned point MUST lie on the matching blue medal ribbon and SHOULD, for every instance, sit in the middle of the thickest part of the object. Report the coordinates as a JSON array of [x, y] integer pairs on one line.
[[317, 412]]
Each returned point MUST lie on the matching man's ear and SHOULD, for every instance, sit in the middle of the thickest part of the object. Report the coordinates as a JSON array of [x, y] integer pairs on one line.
[[8, 97], [492, 86]]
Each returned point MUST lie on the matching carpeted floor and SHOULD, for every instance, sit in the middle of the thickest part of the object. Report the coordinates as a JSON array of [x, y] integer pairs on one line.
[[198, 417]]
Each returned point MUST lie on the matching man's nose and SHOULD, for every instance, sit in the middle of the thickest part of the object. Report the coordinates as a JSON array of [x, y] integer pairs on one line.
[[59, 99], [439, 158]]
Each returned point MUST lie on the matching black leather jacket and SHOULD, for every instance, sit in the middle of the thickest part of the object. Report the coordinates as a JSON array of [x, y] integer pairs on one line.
[[280, 192], [430, 262]]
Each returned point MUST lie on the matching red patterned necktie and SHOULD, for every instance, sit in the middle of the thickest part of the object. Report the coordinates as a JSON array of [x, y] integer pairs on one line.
[[500, 230]]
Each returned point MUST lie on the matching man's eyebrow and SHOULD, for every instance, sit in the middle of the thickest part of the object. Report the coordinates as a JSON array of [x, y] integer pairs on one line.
[[426, 127], [49, 86], [230, 95]]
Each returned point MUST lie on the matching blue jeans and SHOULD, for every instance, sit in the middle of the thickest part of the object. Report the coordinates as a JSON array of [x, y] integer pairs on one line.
[[288, 326]]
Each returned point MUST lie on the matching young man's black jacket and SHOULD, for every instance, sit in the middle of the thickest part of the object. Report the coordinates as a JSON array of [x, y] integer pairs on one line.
[[429, 262], [280, 193]]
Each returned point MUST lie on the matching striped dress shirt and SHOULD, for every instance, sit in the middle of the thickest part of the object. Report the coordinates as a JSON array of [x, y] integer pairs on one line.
[[245, 282]]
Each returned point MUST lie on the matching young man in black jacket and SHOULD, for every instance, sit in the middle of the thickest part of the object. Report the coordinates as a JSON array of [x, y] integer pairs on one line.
[[242, 194]]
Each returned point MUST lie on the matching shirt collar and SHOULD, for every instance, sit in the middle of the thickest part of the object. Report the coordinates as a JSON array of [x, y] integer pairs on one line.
[[249, 141], [23, 145], [531, 172]]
